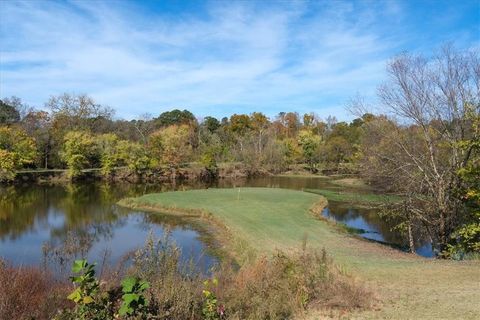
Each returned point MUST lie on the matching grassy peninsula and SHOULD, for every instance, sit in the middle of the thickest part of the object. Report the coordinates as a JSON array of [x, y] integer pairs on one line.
[[251, 221]]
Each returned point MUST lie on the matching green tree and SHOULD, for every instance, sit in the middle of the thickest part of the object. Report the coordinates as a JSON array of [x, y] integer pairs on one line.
[[17, 150], [175, 117], [466, 238], [211, 149], [74, 113], [79, 149], [337, 150], [292, 151], [109, 155], [310, 144], [134, 156], [211, 124], [8, 113], [37, 124]]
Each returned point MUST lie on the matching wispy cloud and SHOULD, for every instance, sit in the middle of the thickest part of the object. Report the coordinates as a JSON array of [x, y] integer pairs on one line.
[[230, 57]]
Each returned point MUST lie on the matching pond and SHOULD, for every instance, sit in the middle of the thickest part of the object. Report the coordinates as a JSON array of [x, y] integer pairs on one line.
[[34, 218], [83, 219]]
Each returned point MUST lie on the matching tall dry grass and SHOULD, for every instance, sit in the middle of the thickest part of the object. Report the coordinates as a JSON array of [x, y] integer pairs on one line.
[[30, 293], [283, 286], [275, 287]]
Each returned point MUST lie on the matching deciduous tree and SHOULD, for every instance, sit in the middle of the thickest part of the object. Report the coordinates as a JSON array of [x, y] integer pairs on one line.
[[17, 150], [171, 145], [79, 149], [420, 157]]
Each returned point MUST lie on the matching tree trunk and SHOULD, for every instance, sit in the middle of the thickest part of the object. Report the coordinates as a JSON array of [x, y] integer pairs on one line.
[[442, 234], [411, 241]]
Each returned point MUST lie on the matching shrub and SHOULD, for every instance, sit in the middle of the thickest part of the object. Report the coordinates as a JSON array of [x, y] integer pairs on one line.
[[175, 287], [211, 310], [90, 302]]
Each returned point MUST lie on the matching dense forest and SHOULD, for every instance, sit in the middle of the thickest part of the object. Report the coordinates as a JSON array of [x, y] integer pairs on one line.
[[423, 145]]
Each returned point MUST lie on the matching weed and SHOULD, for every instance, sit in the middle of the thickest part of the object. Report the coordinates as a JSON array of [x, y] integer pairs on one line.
[[133, 299]]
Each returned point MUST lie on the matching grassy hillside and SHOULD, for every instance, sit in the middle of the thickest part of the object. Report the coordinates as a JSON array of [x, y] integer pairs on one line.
[[260, 220]]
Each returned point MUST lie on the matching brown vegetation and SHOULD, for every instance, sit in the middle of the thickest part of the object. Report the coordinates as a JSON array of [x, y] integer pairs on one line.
[[30, 293], [283, 286], [277, 287]]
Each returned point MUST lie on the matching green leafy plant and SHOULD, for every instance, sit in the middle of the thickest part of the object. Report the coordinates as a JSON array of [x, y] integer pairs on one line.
[[133, 299], [89, 303], [211, 309], [87, 284]]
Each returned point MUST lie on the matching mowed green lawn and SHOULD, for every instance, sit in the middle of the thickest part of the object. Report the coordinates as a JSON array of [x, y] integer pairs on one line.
[[265, 219]]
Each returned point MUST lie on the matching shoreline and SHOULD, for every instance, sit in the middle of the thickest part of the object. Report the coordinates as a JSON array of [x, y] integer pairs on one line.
[[231, 247], [191, 171]]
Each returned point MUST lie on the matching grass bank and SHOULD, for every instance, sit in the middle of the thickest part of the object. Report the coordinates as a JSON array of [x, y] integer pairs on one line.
[[263, 220], [363, 199], [256, 217]]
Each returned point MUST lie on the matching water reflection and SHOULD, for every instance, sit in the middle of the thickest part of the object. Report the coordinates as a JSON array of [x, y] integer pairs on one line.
[[34, 216], [371, 226]]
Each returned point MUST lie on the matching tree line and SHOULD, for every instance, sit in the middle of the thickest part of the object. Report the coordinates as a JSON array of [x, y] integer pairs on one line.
[[77, 133], [423, 143]]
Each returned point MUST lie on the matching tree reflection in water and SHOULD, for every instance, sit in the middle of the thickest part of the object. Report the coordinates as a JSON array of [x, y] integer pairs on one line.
[[59, 223], [32, 216]]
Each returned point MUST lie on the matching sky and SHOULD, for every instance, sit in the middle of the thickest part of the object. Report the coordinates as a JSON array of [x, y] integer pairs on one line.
[[220, 57]]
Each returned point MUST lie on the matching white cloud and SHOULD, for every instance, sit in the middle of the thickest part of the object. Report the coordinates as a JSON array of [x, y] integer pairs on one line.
[[237, 57]]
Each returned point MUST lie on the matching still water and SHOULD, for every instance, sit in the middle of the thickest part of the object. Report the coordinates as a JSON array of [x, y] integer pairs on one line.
[[36, 217]]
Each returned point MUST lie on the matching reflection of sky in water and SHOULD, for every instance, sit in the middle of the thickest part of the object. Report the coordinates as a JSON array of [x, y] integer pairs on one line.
[[355, 220], [425, 250], [133, 232], [129, 233], [352, 219], [26, 248], [40, 214]]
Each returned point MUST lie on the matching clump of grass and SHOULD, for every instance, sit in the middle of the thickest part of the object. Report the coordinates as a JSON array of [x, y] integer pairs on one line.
[[284, 286], [60, 257], [175, 285]]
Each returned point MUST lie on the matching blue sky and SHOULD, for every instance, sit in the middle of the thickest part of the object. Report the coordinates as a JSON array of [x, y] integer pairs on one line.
[[221, 57]]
